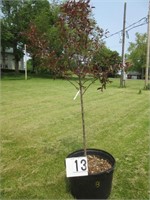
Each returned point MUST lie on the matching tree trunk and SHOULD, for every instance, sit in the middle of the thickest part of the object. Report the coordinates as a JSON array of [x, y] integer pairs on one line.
[[33, 63], [3, 58], [16, 66], [16, 58], [82, 115]]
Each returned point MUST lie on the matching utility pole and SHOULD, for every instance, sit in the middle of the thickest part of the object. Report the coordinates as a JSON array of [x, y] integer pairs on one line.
[[148, 50], [25, 61], [123, 77]]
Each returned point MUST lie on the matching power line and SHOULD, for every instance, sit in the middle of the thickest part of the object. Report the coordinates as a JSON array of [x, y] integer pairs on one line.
[[136, 26], [144, 18], [130, 27]]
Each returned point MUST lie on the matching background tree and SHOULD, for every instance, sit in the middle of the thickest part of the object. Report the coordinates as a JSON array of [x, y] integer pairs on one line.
[[6, 38], [17, 16], [137, 53], [43, 30], [14, 22], [106, 58]]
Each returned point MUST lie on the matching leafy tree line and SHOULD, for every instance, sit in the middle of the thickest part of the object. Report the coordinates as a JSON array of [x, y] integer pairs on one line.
[[31, 22], [137, 53], [17, 18], [36, 23]]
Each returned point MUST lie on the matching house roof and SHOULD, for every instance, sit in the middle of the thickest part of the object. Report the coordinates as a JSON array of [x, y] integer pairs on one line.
[[133, 73], [8, 50]]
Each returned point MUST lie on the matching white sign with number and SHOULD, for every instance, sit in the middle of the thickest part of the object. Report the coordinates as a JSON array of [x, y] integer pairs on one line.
[[76, 166]]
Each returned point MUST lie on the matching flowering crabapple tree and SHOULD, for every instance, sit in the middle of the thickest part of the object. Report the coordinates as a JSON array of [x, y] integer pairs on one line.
[[80, 41]]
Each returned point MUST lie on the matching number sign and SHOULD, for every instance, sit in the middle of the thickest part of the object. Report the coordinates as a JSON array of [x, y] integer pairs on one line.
[[76, 166]]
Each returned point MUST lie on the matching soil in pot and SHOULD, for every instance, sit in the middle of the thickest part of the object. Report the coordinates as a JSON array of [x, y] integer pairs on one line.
[[97, 164]]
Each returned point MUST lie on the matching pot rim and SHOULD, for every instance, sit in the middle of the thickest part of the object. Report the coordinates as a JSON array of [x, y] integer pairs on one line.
[[111, 160]]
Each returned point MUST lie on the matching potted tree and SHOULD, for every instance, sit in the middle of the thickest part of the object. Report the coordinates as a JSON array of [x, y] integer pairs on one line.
[[81, 44], [81, 40]]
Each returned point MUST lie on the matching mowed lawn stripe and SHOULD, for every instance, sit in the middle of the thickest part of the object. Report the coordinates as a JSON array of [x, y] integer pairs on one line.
[[41, 125]]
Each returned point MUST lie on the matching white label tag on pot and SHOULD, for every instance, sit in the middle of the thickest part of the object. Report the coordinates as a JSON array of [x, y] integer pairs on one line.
[[76, 166]]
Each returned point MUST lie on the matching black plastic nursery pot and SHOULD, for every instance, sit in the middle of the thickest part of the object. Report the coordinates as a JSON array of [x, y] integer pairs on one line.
[[93, 186]]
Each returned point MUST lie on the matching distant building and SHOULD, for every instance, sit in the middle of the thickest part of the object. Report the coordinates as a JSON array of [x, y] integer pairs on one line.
[[7, 60], [134, 75]]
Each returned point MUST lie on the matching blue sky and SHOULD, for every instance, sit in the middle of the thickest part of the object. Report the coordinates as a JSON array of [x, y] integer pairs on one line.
[[109, 15]]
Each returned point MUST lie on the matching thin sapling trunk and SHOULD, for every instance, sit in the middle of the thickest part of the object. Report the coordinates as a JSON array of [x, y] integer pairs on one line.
[[82, 114]]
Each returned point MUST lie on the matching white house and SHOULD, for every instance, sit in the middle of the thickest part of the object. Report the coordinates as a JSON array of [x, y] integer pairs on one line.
[[8, 62], [134, 75]]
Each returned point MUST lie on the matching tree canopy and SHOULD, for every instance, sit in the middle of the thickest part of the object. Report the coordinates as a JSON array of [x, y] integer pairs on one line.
[[65, 30], [17, 17], [15, 20], [137, 52]]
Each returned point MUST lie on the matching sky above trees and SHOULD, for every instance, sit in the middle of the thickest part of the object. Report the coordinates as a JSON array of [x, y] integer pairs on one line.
[[109, 15]]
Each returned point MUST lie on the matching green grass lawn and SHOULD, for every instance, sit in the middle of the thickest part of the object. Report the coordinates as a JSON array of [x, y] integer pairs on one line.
[[41, 125]]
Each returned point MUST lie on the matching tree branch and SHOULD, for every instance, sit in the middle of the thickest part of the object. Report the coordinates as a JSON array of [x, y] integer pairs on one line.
[[71, 82], [89, 85]]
